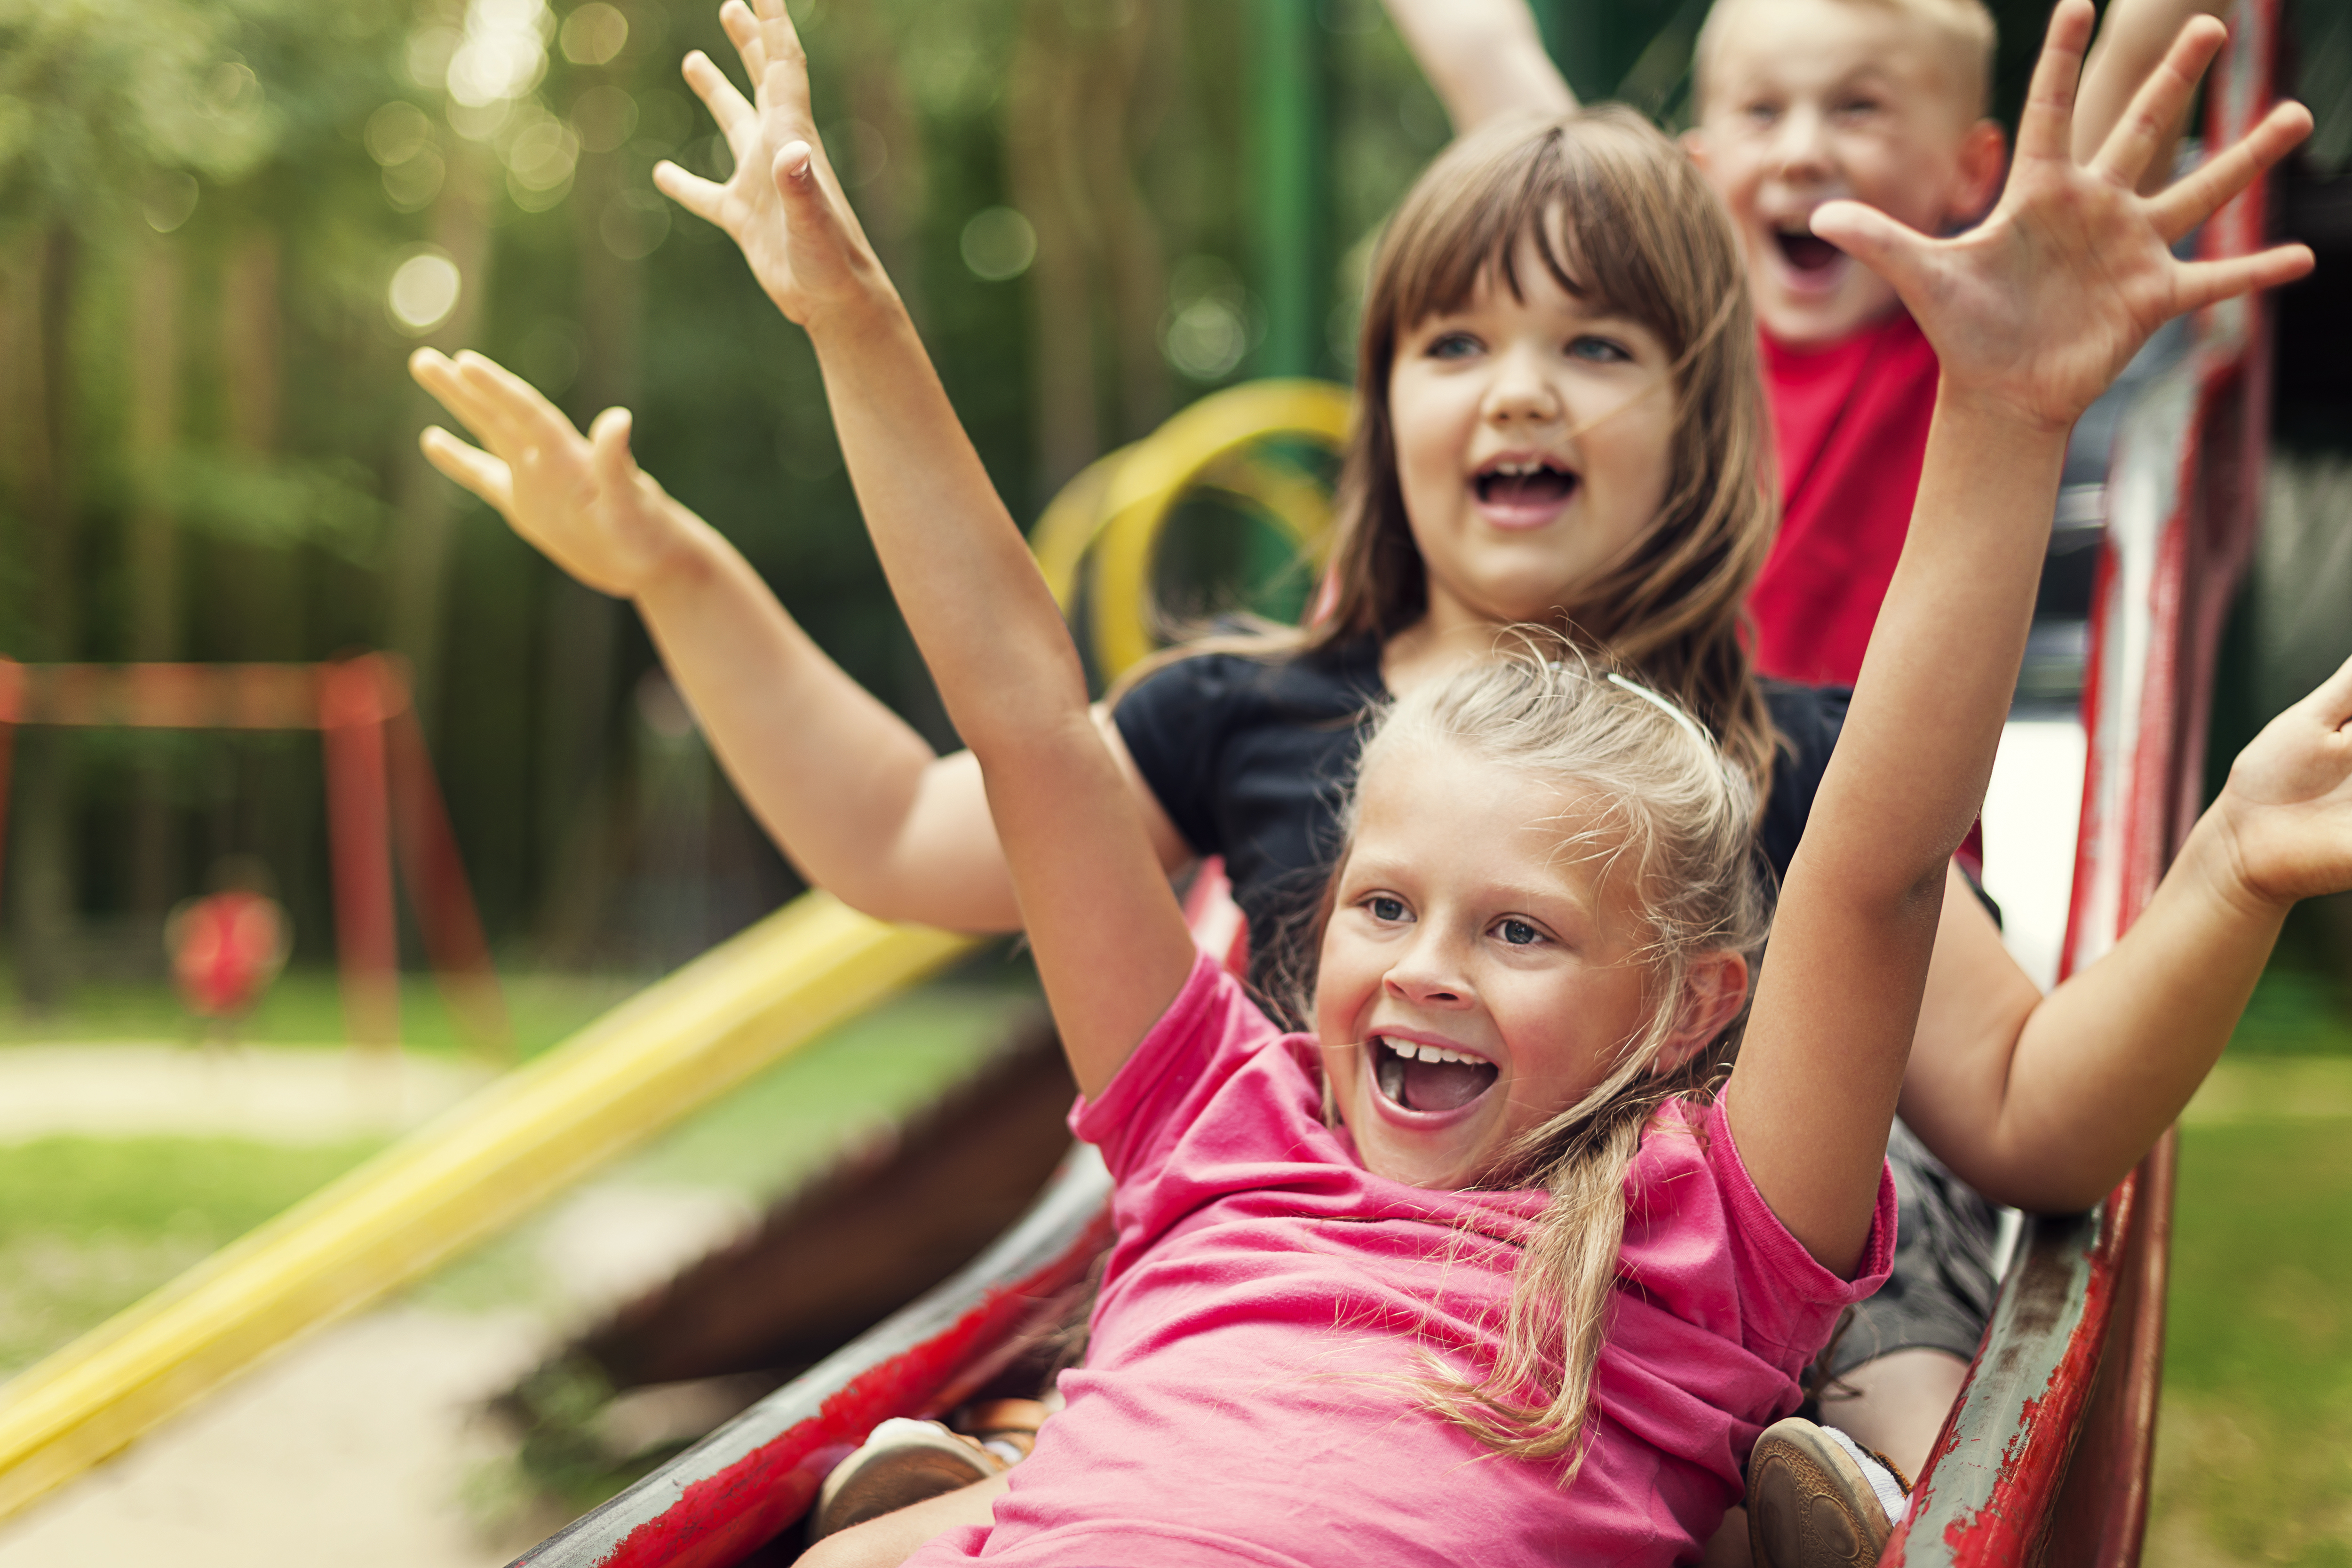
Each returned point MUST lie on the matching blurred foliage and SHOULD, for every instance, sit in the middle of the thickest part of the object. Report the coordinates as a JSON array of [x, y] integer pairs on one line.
[[206, 433], [223, 223]]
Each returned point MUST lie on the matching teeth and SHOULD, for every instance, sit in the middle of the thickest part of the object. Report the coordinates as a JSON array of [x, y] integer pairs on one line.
[[1411, 1051], [1520, 470]]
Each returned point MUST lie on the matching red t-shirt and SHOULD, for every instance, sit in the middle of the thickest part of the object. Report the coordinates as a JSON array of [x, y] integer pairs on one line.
[[1850, 423]]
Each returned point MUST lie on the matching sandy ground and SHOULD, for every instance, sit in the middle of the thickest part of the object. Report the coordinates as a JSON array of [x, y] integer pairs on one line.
[[363, 1444], [275, 1093], [356, 1448]]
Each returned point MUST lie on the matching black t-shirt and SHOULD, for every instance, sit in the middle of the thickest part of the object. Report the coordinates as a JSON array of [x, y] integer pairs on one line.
[[1252, 759]]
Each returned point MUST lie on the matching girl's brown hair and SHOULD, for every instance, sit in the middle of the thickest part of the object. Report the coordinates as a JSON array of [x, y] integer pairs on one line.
[[1622, 219]]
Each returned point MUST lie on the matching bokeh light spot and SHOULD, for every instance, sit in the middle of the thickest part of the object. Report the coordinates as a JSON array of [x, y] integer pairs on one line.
[[998, 244], [593, 33], [425, 290]]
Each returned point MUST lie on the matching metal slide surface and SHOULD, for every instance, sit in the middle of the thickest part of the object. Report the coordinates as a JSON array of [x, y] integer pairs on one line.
[[2045, 1458]]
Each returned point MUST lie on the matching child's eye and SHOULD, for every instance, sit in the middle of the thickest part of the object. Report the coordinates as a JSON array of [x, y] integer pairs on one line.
[[1452, 345], [1518, 933], [1760, 114], [1384, 907], [1600, 350], [1856, 108]]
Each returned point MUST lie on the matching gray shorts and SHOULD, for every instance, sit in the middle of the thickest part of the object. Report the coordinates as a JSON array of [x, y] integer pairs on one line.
[[1940, 1294]]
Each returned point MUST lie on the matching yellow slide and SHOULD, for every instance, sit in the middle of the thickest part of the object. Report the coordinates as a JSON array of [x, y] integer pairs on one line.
[[679, 1045]]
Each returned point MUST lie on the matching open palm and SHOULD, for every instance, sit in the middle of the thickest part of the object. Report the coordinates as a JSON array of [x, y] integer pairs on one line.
[[802, 251], [2288, 804], [580, 500], [2040, 306]]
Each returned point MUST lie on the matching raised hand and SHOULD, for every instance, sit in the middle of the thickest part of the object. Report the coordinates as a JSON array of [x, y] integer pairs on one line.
[[2039, 308], [782, 207], [2287, 808], [581, 500]]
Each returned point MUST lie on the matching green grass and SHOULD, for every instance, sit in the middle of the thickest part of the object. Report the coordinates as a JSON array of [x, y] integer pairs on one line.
[[2255, 1445], [304, 1008], [87, 1226]]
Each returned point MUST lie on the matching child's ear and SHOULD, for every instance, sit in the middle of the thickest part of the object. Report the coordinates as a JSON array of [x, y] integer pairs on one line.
[[1695, 146], [1715, 988], [1983, 164]]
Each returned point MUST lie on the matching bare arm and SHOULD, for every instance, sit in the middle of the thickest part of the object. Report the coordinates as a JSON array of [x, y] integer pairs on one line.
[[845, 787], [1110, 941], [2032, 315], [1484, 58], [2045, 1103], [2133, 37]]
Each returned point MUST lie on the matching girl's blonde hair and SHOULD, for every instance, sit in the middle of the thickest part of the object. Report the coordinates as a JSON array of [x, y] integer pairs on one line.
[[1621, 218], [1667, 809]]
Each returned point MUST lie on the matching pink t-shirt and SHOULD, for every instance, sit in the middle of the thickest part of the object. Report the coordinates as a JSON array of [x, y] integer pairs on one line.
[[1246, 1398]]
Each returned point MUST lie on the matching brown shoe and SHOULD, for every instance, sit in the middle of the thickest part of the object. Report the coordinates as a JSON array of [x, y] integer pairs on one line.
[[902, 1462], [1812, 1504]]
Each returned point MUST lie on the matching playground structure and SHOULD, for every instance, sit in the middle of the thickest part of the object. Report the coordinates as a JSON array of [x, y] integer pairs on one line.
[[380, 794], [2046, 1456]]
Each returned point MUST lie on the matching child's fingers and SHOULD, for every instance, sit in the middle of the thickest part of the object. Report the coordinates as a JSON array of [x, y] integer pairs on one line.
[[488, 409], [434, 373], [2193, 198], [535, 422], [781, 42], [469, 466], [1886, 247], [2204, 283], [2331, 702], [696, 194], [734, 113], [743, 32], [608, 446], [2156, 107], [2046, 131]]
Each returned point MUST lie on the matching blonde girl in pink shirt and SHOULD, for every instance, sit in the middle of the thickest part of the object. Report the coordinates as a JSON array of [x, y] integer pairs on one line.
[[1479, 1269]]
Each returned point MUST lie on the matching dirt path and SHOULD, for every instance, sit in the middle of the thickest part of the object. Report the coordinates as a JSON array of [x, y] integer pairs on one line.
[[364, 1444], [277, 1094]]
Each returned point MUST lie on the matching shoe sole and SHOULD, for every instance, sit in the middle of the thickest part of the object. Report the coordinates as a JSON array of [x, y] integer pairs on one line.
[[872, 1483], [1810, 1506]]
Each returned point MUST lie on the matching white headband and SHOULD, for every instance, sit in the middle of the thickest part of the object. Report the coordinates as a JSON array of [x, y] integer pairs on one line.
[[1677, 714]]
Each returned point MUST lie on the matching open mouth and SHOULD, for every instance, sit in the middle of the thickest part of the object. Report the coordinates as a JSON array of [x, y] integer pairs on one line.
[[1428, 1078], [1807, 252], [1530, 483]]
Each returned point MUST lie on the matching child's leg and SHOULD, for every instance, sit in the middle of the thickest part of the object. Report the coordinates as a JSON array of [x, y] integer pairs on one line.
[[1896, 1369], [890, 1539]]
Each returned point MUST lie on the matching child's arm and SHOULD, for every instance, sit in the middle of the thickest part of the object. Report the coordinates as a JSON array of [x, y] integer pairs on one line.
[[1110, 941], [2032, 315], [846, 787], [1483, 58], [2092, 1073], [2133, 37]]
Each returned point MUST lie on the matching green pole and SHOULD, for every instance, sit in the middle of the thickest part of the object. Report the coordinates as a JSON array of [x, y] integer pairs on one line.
[[1596, 42], [1290, 184]]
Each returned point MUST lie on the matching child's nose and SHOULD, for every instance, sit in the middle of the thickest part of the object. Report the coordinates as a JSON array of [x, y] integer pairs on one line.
[[1520, 392], [1800, 146], [1430, 974]]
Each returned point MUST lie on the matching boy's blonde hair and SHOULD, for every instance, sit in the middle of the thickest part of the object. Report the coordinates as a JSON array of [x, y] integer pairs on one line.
[[1677, 817], [1963, 31]]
